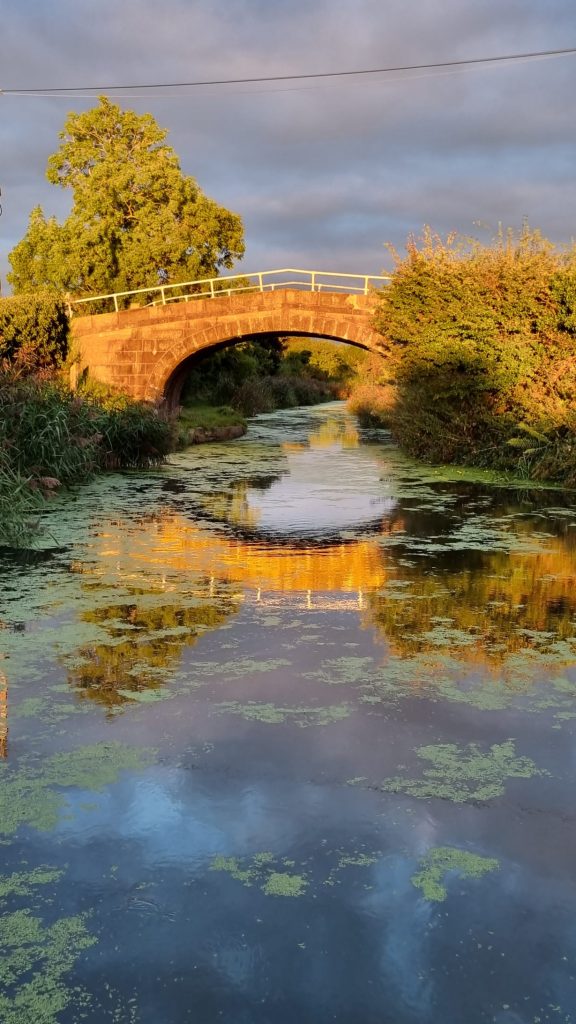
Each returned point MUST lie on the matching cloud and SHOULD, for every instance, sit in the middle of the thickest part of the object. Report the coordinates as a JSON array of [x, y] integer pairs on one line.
[[320, 170]]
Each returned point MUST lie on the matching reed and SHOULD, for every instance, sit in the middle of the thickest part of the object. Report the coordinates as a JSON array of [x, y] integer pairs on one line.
[[51, 437]]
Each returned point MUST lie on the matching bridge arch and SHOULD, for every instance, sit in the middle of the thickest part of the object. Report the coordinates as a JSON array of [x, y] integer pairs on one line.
[[143, 351]]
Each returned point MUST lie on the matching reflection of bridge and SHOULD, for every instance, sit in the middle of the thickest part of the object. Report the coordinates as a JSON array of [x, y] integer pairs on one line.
[[3, 716], [308, 600], [145, 349]]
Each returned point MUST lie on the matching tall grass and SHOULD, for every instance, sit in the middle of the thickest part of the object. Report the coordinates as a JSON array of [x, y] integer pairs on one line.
[[50, 437]]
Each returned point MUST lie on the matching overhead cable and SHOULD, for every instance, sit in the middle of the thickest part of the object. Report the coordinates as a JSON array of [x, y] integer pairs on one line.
[[471, 62]]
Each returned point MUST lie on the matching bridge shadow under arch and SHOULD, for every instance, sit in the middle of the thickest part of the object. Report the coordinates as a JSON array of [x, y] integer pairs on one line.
[[173, 387]]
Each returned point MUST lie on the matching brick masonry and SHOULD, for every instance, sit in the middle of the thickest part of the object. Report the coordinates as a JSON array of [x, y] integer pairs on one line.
[[142, 351]]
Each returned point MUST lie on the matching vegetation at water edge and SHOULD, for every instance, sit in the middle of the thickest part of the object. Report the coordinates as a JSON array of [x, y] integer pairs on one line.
[[480, 362], [52, 437], [263, 374]]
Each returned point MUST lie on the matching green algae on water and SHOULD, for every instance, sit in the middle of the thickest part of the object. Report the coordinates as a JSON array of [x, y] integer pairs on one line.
[[95, 767], [231, 865], [462, 774], [281, 883], [262, 870], [273, 877], [337, 671], [271, 714], [36, 958], [350, 860], [441, 860], [23, 883], [359, 860], [30, 795]]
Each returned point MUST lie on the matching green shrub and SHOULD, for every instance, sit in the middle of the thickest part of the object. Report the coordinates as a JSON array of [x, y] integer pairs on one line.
[[132, 436], [34, 328], [253, 396], [328, 360], [480, 344], [44, 430], [19, 501], [311, 391], [373, 404]]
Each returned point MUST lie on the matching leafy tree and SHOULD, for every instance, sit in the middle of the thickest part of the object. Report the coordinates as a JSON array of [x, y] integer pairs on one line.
[[136, 221], [34, 330]]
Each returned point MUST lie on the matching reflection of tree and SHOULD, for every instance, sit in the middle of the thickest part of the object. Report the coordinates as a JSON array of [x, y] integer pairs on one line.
[[335, 431], [233, 505], [345, 567], [3, 716], [475, 584], [483, 609], [145, 644]]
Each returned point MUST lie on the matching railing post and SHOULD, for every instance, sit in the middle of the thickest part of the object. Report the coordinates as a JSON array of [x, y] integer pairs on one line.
[[261, 285]]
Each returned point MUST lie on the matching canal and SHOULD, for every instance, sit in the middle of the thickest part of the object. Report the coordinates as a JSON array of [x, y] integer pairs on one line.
[[287, 734]]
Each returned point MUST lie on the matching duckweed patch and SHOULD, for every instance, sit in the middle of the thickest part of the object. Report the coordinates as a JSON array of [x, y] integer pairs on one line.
[[271, 874], [263, 870], [242, 667], [530, 680], [463, 774], [30, 795], [36, 958], [350, 860], [272, 714], [280, 883], [23, 883], [343, 670], [440, 862]]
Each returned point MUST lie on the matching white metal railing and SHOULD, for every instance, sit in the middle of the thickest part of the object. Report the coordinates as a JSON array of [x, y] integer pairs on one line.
[[213, 287]]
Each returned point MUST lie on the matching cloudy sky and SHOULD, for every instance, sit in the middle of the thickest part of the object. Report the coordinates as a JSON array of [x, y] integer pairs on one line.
[[324, 173]]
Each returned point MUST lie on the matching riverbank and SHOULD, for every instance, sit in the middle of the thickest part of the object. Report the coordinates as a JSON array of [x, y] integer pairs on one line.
[[199, 424], [51, 438]]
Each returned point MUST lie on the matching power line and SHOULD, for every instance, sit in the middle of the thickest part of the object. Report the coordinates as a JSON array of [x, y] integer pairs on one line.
[[473, 61]]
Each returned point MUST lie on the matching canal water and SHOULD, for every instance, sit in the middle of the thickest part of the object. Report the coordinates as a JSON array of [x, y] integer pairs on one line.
[[287, 734]]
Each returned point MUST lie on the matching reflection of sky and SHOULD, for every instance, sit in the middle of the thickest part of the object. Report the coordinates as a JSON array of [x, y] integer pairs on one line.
[[325, 489], [428, 961]]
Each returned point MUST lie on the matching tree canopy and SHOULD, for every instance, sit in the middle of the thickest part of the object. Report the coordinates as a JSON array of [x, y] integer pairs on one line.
[[136, 220]]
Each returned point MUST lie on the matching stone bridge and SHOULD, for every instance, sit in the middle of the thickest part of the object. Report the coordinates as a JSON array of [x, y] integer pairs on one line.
[[146, 351]]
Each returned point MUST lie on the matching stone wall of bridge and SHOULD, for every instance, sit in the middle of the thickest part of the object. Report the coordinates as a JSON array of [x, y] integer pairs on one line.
[[143, 350]]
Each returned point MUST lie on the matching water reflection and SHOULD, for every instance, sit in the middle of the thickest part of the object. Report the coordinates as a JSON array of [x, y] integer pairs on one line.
[[428, 583], [327, 485], [145, 639], [3, 716], [335, 764]]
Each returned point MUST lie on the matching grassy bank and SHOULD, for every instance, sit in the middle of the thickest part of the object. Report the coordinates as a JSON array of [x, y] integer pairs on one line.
[[52, 438], [199, 423]]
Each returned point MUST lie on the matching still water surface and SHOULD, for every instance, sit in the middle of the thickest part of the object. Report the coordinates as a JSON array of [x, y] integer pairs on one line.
[[287, 734]]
